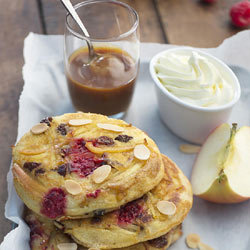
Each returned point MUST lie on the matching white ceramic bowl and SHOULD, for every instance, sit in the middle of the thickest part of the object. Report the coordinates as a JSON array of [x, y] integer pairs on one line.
[[190, 122]]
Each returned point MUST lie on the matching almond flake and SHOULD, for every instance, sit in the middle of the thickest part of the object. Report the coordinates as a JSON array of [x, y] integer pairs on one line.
[[39, 128], [166, 207], [59, 225], [189, 148], [73, 187], [110, 127], [79, 122], [67, 246], [203, 246], [15, 165], [193, 240], [101, 173], [141, 152]]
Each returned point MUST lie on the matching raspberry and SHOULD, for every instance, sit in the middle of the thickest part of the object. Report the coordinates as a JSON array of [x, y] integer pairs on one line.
[[129, 212], [240, 14], [54, 203]]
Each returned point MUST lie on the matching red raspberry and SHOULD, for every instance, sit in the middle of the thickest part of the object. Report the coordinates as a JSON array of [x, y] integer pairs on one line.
[[240, 14]]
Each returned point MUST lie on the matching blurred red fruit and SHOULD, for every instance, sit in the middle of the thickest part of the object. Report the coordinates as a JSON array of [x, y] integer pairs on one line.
[[240, 14]]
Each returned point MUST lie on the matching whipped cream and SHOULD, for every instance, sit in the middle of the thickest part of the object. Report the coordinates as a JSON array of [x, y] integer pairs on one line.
[[193, 78]]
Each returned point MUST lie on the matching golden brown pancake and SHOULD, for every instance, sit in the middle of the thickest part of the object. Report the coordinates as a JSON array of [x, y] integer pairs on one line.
[[54, 169], [44, 235], [139, 220]]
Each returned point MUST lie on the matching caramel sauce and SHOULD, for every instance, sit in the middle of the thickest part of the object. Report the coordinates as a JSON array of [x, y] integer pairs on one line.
[[106, 84]]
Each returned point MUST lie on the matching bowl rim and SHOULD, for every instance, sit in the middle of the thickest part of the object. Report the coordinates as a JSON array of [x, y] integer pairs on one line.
[[189, 105]]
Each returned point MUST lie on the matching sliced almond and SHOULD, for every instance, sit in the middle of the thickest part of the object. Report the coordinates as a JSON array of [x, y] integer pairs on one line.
[[189, 148], [67, 246], [39, 128], [101, 173], [58, 225], [15, 165], [203, 246], [141, 152], [110, 127], [193, 240], [73, 187], [79, 122], [166, 207]]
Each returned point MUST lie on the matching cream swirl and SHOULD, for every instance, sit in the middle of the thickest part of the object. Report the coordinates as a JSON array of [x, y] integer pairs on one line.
[[193, 78]]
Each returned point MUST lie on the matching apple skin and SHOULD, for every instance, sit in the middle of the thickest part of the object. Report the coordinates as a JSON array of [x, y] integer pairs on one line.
[[221, 192]]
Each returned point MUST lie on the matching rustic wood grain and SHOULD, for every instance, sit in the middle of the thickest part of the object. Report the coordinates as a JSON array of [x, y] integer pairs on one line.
[[191, 22], [150, 28], [17, 18]]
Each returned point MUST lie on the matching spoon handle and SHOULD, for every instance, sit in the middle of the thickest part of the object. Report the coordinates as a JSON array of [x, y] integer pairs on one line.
[[68, 5]]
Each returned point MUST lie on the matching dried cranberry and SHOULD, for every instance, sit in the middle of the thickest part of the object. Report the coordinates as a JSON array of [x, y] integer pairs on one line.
[[129, 212], [103, 140], [39, 171], [82, 161], [37, 235], [47, 120], [94, 194], [64, 151], [34, 225], [159, 242], [54, 203], [63, 169], [62, 129], [31, 165], [144, 217], [123, 138], [96, 219]]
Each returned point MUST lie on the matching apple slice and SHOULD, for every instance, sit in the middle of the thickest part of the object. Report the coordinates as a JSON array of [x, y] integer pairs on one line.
[[221, 172]]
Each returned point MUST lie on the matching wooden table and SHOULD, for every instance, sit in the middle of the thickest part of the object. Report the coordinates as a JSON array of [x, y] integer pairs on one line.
[[186, 22]]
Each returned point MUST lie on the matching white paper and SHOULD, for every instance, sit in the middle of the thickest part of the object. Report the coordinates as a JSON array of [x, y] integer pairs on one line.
[[224, 227]]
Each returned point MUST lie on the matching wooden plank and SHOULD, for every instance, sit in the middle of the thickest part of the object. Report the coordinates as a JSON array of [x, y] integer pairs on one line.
[[195, 23], [17, 18], [150, 28]]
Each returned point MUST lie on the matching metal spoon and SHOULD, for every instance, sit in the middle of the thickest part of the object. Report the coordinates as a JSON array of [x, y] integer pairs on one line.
[[69, 7]]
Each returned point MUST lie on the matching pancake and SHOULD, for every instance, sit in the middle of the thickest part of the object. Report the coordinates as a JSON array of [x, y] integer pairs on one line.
[[76, 165], [44, 235], [140, 220]]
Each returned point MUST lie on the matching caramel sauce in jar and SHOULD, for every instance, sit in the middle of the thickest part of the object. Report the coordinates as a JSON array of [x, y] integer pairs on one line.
[[105, 84]]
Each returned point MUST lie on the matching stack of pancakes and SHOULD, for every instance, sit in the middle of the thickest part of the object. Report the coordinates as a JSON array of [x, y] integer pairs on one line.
[[91, 182]]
